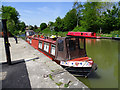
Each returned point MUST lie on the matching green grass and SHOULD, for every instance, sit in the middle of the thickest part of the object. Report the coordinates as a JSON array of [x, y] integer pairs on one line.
[[79, 29], [50, 76], [33, 59], [52, 70], [108, 35], [67, 84], [59, 84]]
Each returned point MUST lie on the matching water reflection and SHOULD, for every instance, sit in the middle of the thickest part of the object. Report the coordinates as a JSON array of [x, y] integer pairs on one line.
[[104, 53]]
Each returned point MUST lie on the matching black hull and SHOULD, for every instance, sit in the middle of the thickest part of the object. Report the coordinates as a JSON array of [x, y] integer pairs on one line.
[[81, 71], [116, 38]]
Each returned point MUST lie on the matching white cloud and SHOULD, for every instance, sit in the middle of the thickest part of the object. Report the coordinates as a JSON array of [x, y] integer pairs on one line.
[[27, 11]]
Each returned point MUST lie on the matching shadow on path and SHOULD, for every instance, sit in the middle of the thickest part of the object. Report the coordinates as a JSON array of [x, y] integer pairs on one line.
[[15, 76]]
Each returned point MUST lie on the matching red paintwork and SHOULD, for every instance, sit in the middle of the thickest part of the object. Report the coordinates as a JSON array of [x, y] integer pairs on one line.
[[84, 34], [50, 48], [35, 42], [80, 59]]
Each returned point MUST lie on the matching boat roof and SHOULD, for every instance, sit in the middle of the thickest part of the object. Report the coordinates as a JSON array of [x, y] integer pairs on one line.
[[42, 39], [80, 32]]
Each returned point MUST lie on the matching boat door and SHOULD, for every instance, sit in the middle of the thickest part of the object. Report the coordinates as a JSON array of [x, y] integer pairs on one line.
[[75, 49]]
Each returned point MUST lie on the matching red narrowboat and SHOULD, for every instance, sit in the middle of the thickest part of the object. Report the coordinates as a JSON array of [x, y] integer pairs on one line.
[[69, 52], [84, 34]]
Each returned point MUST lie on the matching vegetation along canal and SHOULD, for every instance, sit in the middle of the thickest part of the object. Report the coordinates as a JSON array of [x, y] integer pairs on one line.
[[104, 53]]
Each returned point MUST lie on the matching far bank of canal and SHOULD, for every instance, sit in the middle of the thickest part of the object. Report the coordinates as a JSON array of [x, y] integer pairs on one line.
[[105, 53]]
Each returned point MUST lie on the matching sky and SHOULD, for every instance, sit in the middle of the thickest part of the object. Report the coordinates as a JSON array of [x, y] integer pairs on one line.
[[35, 13]]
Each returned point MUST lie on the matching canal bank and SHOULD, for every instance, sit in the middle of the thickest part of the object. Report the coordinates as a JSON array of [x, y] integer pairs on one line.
[[34, 69]]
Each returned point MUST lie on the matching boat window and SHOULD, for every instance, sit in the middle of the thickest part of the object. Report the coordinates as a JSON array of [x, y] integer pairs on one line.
[[40, 44], [46, 47], [92, 34], [27, 33], [86, 33], [81, 41], [72, 46], [52, 49], [31, 33], [60, 45], [81, 33], [27, 39]]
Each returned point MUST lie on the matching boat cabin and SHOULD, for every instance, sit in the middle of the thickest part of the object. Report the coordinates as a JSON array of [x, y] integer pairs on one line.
[[68, 48]]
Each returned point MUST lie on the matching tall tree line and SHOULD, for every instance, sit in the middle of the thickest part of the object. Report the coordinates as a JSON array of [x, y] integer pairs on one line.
[[99, 15], [92, 16]]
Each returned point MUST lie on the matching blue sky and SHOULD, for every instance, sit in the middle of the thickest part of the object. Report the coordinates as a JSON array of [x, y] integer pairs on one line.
[[34, 13]]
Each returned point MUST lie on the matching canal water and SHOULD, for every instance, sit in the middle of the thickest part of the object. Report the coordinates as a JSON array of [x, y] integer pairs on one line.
[[105, 53]]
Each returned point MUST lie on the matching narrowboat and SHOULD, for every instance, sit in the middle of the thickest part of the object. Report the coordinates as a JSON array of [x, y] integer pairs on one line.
[[84, 34], [69, 52]]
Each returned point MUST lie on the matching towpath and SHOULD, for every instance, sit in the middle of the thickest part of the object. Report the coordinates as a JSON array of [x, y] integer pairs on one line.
[[37, 70]]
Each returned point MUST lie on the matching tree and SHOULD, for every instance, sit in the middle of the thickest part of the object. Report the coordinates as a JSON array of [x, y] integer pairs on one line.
[[58, 24], [111, 20], [118, 23], [22, 26], [35, 27], [50, 24], [12, 17], [30, 27], [90, 16], [70, 20], [43, 26], [78, 6]]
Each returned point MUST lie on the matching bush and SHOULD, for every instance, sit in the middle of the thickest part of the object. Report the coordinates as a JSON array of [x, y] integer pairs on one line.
[[48, 32], [79, 29], [37, 30], [115, 32], [62, 34]]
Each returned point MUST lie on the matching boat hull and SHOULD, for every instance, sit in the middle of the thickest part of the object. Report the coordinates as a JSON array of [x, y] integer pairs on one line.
[[81, 71]]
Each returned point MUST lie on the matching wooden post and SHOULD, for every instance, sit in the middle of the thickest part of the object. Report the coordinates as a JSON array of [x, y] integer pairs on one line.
[[6, 42]]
